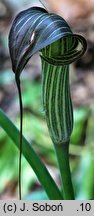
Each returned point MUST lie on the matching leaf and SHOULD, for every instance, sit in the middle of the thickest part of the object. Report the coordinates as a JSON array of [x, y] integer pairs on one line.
[[80, 118], [32, 158]]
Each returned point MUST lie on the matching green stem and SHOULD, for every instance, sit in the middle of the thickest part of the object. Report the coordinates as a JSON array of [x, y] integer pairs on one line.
[[32, 158], [62, 152]]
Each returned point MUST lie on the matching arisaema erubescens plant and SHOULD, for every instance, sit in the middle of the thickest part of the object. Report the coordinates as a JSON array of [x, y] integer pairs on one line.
[[35, 30]]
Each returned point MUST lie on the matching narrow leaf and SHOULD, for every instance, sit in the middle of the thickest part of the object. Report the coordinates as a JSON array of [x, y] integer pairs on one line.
[[32, 158]]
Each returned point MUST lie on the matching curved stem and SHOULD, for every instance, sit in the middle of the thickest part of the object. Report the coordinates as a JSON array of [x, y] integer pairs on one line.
[[21, 130], [62, 152]]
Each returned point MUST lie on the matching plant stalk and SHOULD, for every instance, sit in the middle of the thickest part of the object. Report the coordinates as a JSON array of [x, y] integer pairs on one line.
[[62, 152], [20, 140]]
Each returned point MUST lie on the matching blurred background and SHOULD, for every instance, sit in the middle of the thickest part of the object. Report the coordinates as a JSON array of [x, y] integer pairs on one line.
[[80, 16]]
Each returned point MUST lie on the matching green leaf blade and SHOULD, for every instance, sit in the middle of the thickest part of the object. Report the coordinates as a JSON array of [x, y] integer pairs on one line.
[[32, 158]]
